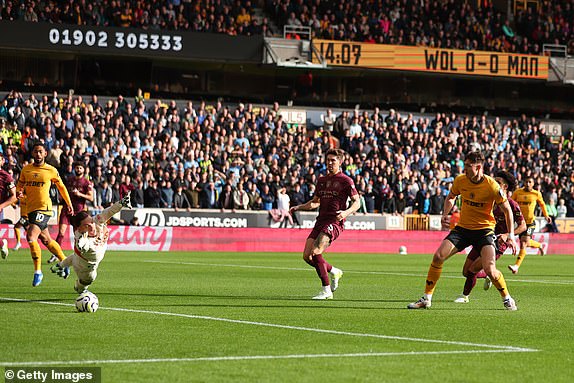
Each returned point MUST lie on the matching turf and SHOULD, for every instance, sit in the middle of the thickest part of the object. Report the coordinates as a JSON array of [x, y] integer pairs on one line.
[[221, 317]]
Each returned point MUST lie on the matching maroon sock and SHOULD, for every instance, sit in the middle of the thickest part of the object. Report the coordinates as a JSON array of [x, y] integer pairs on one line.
[[481, 274], [469, 283], [322, 268]]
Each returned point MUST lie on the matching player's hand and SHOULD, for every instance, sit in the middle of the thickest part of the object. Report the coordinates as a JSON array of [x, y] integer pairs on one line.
[[445, 222], [292, 210], [341, 215], [511, 243], [549, 219], [126, 201], [70, 210]]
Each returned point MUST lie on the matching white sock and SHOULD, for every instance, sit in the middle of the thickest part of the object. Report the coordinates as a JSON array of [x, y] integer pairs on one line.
[[327, 289], [334, 270], [38, 272], [428, 297], [507, 297]]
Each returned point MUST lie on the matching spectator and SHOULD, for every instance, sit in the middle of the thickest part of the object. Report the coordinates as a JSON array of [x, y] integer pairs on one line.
[[180, 200], [152, 197]]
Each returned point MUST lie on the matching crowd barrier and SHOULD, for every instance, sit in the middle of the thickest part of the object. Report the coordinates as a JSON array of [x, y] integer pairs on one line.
[[165, 239]]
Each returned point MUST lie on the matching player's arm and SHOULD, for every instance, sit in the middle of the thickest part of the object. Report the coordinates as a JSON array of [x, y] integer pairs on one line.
[[109, 212], [63, 192], [355, 205], [11, 198], [20, 185], [542, 205], [88, 196], [449, 202], [509, 217], [309, 205]]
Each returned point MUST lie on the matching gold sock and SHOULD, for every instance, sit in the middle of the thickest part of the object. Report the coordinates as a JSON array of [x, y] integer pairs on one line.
[[520, 257], [534, 244], [433, 276], [36, 255], [500, 285], [18, 235], [55, 249]]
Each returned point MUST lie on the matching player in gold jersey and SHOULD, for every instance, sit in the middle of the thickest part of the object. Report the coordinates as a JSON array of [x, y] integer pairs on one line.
[[478, 193], [34, 183], [527, 199]]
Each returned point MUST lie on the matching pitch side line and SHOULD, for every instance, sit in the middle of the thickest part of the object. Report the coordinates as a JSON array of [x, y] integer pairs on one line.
[[288, 327], [347, 271], [250, 357]]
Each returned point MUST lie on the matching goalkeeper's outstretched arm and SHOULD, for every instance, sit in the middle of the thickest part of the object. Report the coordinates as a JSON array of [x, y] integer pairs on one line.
[[109, 212]]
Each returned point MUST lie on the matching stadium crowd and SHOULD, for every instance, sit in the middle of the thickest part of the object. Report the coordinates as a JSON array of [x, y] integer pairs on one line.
[[442, 24], [445, 23], [193, 155]]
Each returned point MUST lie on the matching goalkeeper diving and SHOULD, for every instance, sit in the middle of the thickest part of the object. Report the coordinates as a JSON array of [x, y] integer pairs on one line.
[[90, 244]]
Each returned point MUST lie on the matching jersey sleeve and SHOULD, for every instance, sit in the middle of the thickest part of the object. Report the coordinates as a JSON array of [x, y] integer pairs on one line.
[[517, 213], [499, 194], [352, 189], [57, 181], [455, 188], [541, 203], [107, 213]]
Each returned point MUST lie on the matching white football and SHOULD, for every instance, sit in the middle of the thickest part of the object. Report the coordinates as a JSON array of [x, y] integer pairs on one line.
[[87, 302], [403, 250]]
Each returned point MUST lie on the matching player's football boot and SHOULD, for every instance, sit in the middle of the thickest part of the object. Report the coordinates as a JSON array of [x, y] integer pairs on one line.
[[65, 272], [37, 279], [4, 249], [487, 283], [56, 269], [323, 295], [335, 276], [52, 259], [509, 304], [79, 288], [420, 304], [462, 299], [513, 268]]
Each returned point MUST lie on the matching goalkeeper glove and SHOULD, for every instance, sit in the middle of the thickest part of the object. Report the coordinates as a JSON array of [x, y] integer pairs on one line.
[[126, 201]]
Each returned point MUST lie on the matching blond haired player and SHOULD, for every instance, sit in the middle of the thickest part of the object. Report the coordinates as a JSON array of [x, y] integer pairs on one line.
[[90, 244], [527, 198], [478, 193], [34, 182]]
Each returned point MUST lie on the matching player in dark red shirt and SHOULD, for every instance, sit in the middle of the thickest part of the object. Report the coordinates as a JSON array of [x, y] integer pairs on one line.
[[81, 191], [333, 191], [7, 197], [472, 268]]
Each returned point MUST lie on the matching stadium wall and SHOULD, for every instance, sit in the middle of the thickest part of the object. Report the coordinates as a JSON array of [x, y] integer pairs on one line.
[[167, 239]]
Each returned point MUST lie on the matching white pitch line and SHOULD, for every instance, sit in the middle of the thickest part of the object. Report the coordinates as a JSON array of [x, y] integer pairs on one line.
[[274, 325], [249, 357], [347, 271]]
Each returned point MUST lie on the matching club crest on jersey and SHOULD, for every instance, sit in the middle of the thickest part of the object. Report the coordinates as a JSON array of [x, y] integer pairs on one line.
[[35, 175]]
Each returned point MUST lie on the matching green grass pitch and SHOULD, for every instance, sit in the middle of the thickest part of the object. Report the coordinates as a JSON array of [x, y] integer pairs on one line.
[[227, 317]]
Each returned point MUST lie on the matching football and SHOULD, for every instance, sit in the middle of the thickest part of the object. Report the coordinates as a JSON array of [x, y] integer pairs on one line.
[[403, 250], [87, 302]]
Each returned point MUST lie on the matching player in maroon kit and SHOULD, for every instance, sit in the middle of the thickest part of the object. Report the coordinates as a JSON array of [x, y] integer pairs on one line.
[[333, 191], [81, 191], [7, 197], [472, 268]]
